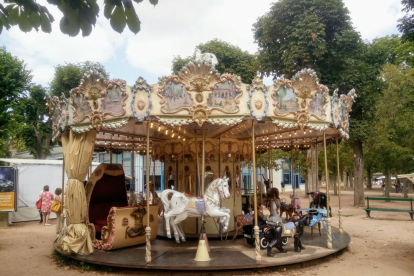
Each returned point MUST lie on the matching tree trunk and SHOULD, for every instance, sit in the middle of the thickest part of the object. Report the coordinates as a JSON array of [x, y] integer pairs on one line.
[[351, 181], [359, 200], [309, 180], [387, 183], [335, 184], [405, 183], [369, 175], [346, 180], [315, 161]]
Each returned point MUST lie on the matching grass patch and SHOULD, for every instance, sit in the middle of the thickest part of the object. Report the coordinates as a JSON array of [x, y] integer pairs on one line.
[[65, 262]]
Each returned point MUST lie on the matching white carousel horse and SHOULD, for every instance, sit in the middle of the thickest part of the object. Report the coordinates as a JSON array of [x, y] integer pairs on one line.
[[206, 57], [182, 205]]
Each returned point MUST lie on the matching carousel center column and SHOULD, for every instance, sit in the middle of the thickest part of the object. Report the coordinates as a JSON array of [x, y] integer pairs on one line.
[[148, 228]]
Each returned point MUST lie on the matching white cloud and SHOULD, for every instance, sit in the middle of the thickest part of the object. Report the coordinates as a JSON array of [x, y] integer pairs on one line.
[[168, 29]]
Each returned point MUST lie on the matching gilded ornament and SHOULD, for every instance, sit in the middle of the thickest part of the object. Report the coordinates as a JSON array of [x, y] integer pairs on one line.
[[141, 104], [258, 104]]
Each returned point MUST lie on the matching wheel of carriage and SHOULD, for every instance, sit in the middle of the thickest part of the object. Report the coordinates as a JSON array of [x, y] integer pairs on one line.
[[263, 243], [285, 241]]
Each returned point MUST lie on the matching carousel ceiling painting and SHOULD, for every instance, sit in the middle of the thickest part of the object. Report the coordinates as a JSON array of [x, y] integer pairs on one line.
[[200, 99]]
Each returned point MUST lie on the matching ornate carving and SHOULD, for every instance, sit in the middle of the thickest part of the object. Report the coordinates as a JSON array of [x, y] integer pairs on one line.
[[114, 99], [80, 106], [199, 97], [141, 85], [335, 109], [96, 120], [93, 86], [141, 104], [305, 83], [200, 116], [225, 94], [139, 227], [258, 104], [258, 85], [285, 99]]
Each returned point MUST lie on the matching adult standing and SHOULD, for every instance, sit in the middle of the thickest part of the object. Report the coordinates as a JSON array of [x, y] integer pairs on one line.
[[47, 199], [58, 198], [282, 184]]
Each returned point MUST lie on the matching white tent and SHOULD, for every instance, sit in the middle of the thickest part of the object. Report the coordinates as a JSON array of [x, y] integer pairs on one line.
[[33, 174], [408, 176]]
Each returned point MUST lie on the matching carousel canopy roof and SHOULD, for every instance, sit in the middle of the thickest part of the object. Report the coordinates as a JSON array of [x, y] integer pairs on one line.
[[288, 113]]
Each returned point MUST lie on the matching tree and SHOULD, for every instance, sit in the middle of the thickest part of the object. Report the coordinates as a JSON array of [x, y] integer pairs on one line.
[[68, 76], [14, 79], [406, 24], [393, 139], [296, 34], [35, 125], [80, 15], [231, 59]]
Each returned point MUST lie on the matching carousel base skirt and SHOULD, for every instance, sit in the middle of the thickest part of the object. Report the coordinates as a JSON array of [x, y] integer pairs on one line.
[[230, 254]]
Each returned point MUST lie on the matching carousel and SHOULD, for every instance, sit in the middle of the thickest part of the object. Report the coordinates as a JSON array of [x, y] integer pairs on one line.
[[204, 127]]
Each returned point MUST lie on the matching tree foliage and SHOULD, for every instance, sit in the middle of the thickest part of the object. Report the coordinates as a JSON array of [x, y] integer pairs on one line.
[[68, 76], [231, 59], [406, 24], [77, 16], [35, 128], [14, 79], [296, 34]]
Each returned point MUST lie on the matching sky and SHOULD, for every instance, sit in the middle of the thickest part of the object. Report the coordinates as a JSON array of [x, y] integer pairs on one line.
[[171, 28]]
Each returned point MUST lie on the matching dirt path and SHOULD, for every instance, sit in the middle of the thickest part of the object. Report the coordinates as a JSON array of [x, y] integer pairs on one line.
[[383, 245]]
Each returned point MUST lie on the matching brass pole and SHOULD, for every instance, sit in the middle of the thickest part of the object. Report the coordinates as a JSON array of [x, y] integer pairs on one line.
[[311, 172], [133, 170], [203, 164], [148, 228], [293, 170], [339, 187], [269, 166], [62, 216], [182, 188], [256, 227], [197, 168], [329, 243]]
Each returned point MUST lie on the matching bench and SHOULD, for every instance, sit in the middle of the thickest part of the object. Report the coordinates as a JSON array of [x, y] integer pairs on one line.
[[368, 209]]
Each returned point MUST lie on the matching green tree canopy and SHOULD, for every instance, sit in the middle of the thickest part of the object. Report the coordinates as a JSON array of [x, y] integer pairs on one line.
[[79, 15], [296, 34], [14, 79], [68, 76], [406, 24], [231, 59], [35, 126]]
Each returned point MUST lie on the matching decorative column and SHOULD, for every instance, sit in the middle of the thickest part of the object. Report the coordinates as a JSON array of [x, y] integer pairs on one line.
[[293, 170], [339, 187], [329, 243], [203, 162], [256, 227], [269, 166], [310, 185], [148, 258]]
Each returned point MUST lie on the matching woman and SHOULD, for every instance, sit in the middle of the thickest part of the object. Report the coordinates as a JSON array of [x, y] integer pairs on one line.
[[58, 192], [47, 199]]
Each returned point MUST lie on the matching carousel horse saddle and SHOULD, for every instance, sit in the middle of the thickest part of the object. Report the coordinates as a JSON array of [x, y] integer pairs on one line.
[[193, 196], [200, 206], [289, 226]]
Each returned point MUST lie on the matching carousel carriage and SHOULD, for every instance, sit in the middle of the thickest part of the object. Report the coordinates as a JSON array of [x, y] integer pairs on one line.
[[202, 126]]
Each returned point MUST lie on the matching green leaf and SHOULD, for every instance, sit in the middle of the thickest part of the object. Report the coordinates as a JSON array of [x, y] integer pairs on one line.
[[35, 20], [94, 6], [24, 23], [14, 16], [132, 20], [69, 26], [45, 23], [118, 20], [108, 10], [86, 28], [154, 2]]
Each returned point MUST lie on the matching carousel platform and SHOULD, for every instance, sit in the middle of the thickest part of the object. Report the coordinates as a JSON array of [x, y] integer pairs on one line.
[[230, 254]]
